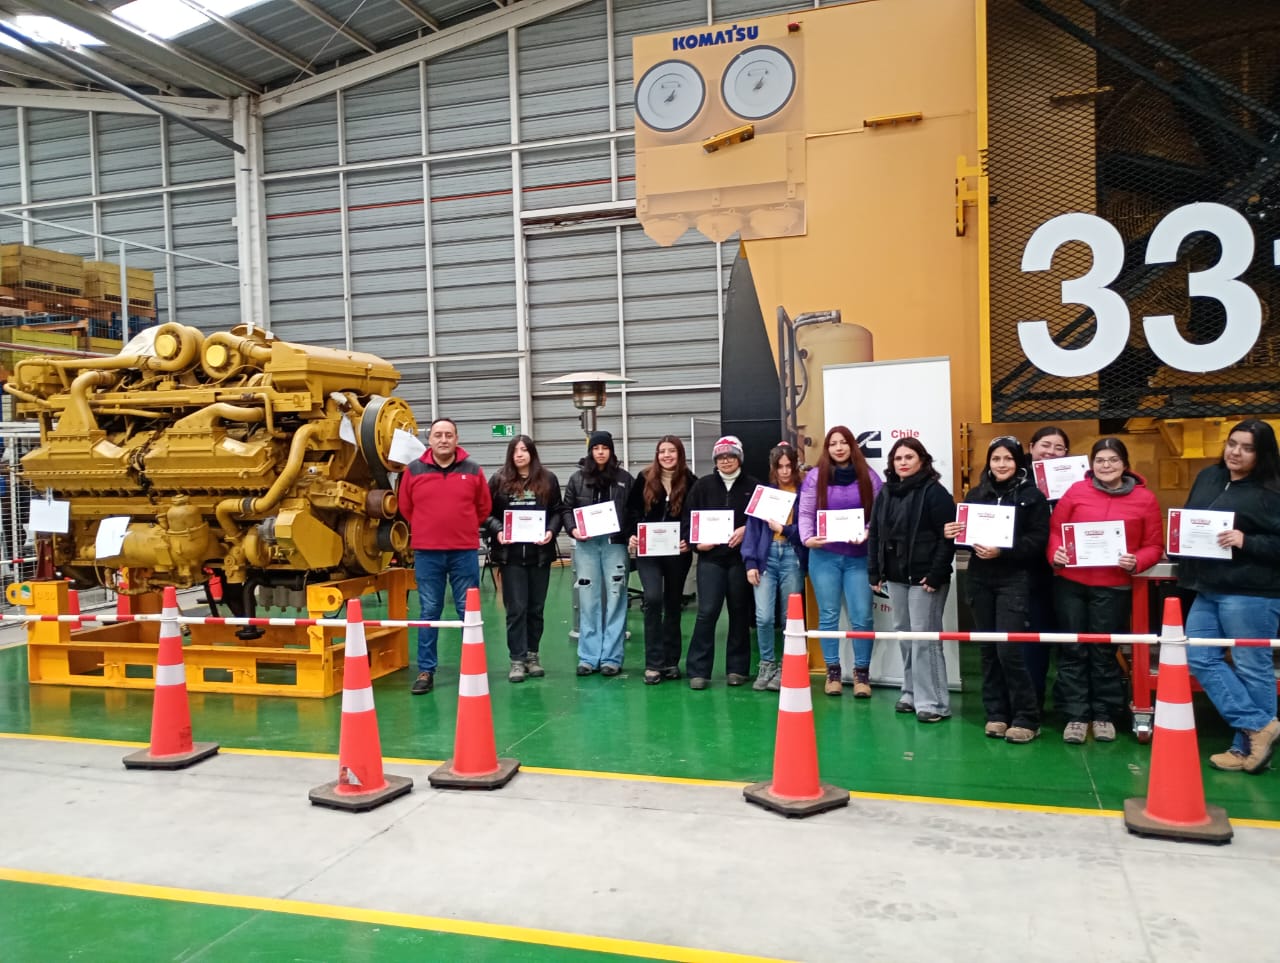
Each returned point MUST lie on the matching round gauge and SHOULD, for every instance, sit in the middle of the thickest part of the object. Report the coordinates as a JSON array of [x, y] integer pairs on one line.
[[758, 82], [669, 95]]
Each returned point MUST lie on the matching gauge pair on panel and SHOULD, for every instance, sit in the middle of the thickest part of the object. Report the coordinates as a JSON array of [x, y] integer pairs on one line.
[[756, 84]]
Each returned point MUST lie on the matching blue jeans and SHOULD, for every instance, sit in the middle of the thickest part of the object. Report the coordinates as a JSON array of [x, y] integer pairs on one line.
[[431, 567], [834, 577], [1245, 695], [781, 571], [601, 571]]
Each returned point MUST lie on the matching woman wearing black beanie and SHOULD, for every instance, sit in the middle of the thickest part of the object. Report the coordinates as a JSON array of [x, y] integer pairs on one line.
[[599, 562]]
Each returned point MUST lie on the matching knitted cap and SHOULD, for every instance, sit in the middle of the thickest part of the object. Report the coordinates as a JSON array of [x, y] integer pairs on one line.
[[600, 438], [728, 445]]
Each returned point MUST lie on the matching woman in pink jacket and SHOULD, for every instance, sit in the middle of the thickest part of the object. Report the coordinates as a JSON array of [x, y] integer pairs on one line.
[[1097, 599]]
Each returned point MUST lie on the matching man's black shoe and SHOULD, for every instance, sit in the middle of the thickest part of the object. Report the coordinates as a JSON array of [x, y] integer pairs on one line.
[[425, 682]]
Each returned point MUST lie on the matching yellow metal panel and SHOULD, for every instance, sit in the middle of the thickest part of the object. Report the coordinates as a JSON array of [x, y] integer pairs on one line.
[[680, 168]]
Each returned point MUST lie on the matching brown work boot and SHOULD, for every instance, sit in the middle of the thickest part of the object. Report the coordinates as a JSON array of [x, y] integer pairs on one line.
[[862, 683], [1229, 761], [517, 672], [833, 686], [1262, 743], [996, 730]]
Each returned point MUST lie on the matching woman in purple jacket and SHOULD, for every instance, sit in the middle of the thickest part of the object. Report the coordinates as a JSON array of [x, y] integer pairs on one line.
[[775, 560], [839, 569]]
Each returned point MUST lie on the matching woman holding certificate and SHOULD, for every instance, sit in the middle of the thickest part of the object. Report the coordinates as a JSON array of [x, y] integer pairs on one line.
[[595, 505], [1047, 443], [775, 559], [717, 508], [1006, 526], [1104, 529], [521, 528], [910, 555], [659, 537], [834, 502], [1238, 589]]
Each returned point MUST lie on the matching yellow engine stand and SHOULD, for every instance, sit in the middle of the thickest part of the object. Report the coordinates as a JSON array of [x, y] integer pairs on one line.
[[123, 655]]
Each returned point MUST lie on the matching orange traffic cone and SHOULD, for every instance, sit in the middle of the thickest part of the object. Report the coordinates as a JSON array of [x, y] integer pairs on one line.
[[171, 746], [361, 784], [1174, 806], [795, 789], [475, 763], [73, 608]]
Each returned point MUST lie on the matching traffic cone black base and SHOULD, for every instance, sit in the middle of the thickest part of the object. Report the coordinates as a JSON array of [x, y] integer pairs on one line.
[[445, 778], [329, 797], [761, 793], [1217, 831], [142, 759]]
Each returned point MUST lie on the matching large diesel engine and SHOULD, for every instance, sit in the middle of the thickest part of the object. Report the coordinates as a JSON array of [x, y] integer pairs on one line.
[[259, 461]]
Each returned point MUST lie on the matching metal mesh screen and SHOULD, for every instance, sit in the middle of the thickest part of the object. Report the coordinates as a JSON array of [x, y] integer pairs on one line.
[[1129, 112]]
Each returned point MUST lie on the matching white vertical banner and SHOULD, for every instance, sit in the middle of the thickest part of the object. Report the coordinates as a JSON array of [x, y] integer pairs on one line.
[[880, 402]]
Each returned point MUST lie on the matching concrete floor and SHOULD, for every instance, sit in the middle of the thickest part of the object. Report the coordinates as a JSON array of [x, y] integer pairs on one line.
[[665, 869]]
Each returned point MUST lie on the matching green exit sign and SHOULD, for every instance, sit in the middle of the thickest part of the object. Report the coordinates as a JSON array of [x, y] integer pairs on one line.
[[503, 431]]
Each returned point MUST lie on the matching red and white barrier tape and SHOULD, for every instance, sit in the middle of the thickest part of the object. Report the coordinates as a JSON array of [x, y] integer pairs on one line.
[[211, 620], [1080, 637]]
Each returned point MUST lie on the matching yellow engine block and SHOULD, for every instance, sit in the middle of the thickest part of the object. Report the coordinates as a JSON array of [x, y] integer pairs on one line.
[[235, 453]]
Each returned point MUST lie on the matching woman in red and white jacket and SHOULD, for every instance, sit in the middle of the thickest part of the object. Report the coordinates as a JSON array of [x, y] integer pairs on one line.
[[1097, 599]]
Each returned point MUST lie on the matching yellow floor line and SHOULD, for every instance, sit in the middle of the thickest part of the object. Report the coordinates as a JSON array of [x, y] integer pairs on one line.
[[662, 780], [352, 914]]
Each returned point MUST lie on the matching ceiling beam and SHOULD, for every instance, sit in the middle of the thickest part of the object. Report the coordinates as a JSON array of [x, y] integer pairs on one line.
[[17, 63], [244, 33], [98, 77], [422, 16], [113, 66], [200, 107], [335, 24], [170, 58], [406, 55]]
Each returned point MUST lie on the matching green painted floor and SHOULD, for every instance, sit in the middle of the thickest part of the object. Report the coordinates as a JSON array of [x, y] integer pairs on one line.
[[622, 725], [60, 924]]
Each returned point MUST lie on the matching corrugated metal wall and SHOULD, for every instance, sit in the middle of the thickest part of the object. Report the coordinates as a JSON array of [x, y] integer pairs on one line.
[[393, 226]]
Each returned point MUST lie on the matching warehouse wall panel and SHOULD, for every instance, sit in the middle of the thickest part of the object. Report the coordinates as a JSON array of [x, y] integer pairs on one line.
[[59, 154], [564, 176], [467, 97], [478, 395], [304, 254], [203, 224], [193, 157], [128, 152], [383, 118], [10, 175], [388, 262], [564, 74], [304, 137]]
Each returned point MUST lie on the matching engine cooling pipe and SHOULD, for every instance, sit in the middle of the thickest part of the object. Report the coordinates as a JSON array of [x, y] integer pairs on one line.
[[228, 508]]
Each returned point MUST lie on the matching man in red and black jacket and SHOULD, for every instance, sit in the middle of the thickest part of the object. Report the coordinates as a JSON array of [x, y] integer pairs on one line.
[[445, 498]]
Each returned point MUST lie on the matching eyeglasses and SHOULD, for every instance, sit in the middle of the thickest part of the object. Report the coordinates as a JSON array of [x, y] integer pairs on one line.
[[1108, 462]]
